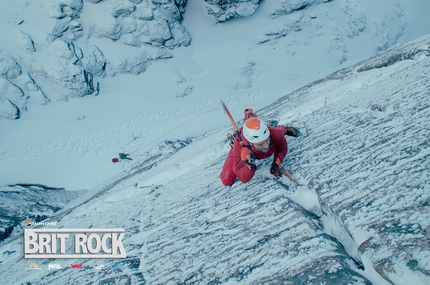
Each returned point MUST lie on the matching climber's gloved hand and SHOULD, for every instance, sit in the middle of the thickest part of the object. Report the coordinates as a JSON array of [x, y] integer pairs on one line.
[[275, 168], [248, 157]]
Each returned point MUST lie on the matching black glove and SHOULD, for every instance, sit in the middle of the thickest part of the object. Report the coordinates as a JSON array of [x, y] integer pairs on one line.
[[275, 168], [292, 132]]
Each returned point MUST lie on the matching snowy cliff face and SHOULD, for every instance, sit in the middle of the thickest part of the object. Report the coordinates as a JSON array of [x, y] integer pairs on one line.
[[55, 48], [62, 48], [357, 212]]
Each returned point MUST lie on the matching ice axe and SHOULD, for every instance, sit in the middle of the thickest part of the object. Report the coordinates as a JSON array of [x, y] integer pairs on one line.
[[251, 163]]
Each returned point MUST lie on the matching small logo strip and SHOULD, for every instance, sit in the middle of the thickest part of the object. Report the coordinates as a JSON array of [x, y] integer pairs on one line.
[[100, 266], [34, 266], [30, 223], [53, 266], [75, 266], [111, 266]]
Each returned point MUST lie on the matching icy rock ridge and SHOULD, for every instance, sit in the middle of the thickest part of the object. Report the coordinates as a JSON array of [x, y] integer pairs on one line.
[[369, 166], [395, 55]]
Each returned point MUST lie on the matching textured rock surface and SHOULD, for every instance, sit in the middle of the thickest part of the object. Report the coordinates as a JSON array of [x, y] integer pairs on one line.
[[66, 52], [34, 203], [360, 201], [223, 10]]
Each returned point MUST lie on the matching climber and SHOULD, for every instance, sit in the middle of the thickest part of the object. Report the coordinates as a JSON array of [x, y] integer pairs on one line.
[[259, 141], [122, 156]]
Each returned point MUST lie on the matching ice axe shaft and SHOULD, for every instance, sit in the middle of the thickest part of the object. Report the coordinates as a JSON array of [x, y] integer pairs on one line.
[[232, 122], [287, 174], [231, 119], [237, 131]]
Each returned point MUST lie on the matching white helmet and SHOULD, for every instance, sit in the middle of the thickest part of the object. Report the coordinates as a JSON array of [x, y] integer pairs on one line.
[[255, 130]]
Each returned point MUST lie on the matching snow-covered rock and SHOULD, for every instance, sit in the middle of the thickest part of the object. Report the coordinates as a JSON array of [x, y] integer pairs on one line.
[[93, 60], [367, 156], [9, 68], [34, 203], [11, 96], [223, 10], [142, 23], [28, 43], [120, 36], [93, 1], [65, 59], [17, 89], [289, 7], [8, 110], [357, 212], [64, 68], [32, 90]]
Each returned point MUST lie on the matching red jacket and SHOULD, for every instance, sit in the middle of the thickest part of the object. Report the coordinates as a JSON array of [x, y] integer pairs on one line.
[[278, 147]]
